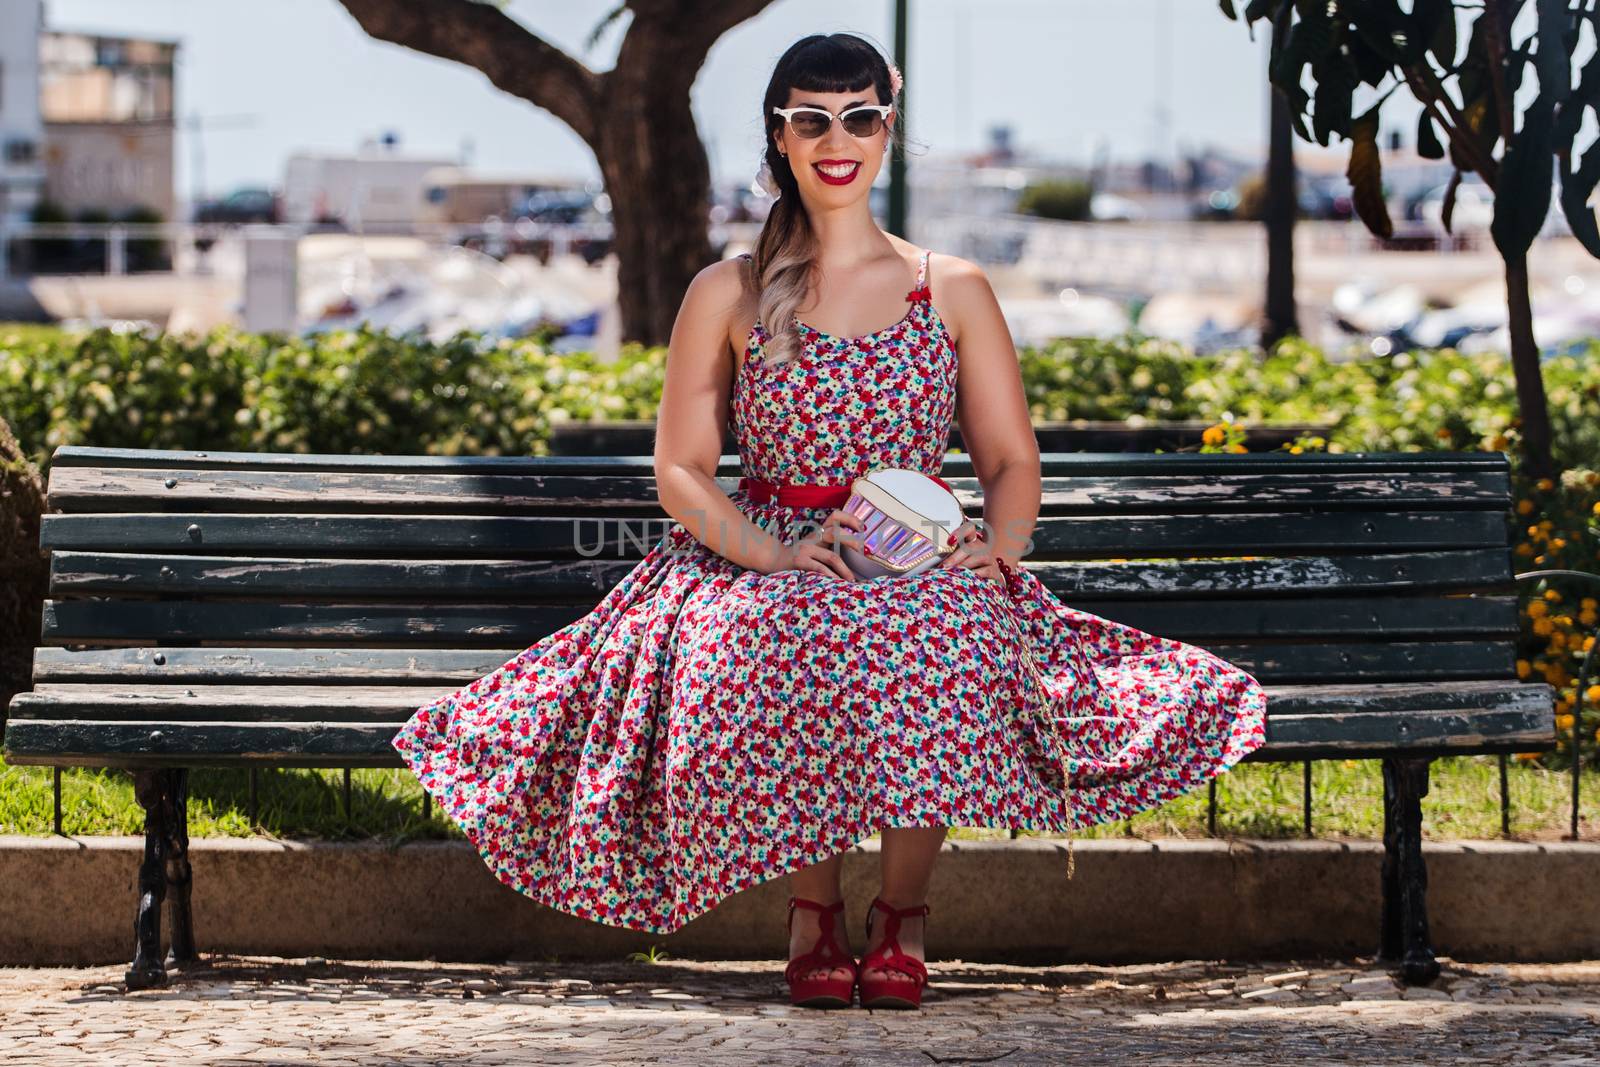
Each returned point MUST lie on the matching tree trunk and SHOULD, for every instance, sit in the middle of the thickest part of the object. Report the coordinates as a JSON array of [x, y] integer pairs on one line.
[[635, 118], [1534, 412], [659, 181], [1279, 317]]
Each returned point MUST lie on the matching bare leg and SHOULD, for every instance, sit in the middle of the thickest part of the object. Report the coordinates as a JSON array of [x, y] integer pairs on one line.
[[907, 856], [818, 882]]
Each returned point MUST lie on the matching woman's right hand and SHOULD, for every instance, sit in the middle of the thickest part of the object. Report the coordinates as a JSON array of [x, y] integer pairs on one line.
[[816, 551]]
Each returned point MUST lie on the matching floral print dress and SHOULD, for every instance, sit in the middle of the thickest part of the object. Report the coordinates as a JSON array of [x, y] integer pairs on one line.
[[707, 727]]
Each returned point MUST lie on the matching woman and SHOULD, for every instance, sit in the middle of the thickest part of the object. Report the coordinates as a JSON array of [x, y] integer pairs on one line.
[[739, 706]]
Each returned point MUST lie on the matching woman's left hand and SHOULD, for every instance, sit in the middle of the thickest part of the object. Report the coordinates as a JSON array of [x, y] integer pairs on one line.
[[973, 552]]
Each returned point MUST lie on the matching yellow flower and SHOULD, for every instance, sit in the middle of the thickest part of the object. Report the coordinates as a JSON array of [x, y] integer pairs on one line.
[[1538, 609], [1523, 668], [1542, 627], [1524, 507], [1589, 603], [1563, 723], [1442, 433], [1214, 435], [1524, 549], [1545, 485], [1592, 695], [1237, 448], [1553, 595]]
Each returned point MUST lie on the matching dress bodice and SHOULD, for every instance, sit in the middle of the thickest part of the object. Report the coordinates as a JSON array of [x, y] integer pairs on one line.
[[846, 405]]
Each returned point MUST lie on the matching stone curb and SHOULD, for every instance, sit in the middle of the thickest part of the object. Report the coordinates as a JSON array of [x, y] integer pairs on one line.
[[71, 902]]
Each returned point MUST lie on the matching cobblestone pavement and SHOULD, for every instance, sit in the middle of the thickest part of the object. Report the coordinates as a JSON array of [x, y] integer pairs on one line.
[[268, 1010]]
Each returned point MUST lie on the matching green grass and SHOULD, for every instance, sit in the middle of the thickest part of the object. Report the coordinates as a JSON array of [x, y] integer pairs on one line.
[[1253, 800]]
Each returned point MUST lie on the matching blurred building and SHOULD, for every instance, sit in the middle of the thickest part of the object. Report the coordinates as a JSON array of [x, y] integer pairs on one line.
[[21, 126], [376, 188], [109, 131]]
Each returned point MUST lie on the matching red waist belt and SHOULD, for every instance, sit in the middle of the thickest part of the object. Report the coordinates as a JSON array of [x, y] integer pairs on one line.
[[803, 494]]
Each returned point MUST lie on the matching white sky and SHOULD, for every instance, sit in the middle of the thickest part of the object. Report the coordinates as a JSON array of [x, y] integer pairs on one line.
[[268, 79]]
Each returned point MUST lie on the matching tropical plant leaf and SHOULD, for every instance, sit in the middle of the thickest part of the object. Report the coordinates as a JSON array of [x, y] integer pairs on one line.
[[1577, 188], [1522, 195], [1371, 67], [1556, 23], [1335, 88], [1448, 213], [1569, 117], [1434, 22], [1366, 175], [1428, 144]]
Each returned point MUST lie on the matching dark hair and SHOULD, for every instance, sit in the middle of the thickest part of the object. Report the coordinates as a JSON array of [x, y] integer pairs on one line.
[[821, 63]]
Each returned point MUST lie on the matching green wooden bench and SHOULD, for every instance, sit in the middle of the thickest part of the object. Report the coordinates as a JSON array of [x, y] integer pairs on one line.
[[245, 609]]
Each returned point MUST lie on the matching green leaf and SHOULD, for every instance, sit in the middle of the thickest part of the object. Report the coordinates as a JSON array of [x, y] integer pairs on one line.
[[1434, 22], [1428, 145], [1334, 92], [1522, 194], [1576, 190], [1555, 64], [1366, 175]]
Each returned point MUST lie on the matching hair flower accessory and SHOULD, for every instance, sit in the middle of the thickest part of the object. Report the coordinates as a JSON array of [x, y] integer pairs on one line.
[[895, 80], [766, 182]]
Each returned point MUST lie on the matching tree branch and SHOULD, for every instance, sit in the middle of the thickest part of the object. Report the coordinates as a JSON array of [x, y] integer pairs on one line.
[[690, 26], [481, 36]]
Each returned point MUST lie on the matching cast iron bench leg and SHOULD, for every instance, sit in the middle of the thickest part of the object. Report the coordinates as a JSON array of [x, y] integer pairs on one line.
[[1405, 879], [147, 970], [179, 875]]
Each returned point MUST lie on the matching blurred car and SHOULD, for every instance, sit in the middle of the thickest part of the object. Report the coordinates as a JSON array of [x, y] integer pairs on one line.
[[565, 206], [1474, 207], [245, 204]]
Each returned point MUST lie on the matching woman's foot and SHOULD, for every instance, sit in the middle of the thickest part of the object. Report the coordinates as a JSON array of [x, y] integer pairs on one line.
[[911, 928], [803, 936]]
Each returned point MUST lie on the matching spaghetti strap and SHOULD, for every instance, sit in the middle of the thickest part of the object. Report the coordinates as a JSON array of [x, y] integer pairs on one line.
[[921, 292]]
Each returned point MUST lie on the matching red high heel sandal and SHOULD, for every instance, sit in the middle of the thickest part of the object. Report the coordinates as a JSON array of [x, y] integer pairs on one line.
[[825, 991], [903, 990]]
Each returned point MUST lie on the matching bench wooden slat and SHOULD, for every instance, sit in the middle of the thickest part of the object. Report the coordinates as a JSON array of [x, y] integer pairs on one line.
[[124, 489], [352, 725], [432, 536], [1179, 464], [520, 580], [443, 624], [1524, 729], [344, 665], [393, 703]]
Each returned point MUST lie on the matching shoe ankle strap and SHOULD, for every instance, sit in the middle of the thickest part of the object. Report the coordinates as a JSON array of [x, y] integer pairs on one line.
[[828, 911], [899, 913], [837, 905], [891, 934]]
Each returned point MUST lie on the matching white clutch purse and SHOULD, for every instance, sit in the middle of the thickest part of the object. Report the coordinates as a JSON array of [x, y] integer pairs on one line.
[[911, 522]]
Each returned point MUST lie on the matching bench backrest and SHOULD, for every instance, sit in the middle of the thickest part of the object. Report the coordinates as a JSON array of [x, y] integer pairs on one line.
[[1310, 568]]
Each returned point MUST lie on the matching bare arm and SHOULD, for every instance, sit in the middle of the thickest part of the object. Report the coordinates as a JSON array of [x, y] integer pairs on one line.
[[694, 409], [993, 411]]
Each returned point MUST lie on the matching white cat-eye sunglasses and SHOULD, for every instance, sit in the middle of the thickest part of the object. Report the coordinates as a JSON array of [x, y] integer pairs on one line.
[[863, 120]]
